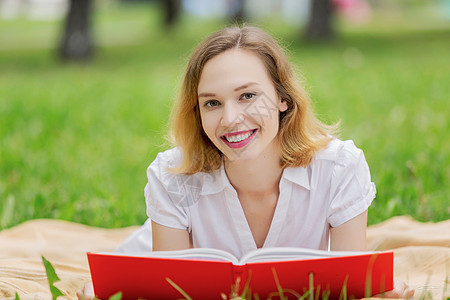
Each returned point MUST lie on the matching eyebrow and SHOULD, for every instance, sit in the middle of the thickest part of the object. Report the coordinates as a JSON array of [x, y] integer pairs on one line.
[[206, 95], [244, 86]]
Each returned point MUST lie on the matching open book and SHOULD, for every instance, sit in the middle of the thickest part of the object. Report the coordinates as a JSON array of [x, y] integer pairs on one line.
[[204, 273]]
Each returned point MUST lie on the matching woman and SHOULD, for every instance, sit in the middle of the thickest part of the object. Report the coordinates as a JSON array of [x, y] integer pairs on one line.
[[253, 167]]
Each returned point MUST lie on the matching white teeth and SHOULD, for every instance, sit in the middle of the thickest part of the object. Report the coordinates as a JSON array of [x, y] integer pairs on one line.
[[239, 137]]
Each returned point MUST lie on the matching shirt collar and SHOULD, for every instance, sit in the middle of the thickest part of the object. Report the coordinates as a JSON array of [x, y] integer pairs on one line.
[[215, 182], [297, 175]]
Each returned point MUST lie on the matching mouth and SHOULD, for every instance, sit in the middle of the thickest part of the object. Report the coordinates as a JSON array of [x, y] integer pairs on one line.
[[238, 139]]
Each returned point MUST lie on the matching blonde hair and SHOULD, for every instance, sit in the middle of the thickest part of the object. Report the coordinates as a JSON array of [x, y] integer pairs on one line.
[[301, 134]]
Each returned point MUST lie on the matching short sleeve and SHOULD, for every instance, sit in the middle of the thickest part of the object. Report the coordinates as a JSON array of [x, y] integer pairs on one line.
[[161, 194], [138, 241], [351, 189]]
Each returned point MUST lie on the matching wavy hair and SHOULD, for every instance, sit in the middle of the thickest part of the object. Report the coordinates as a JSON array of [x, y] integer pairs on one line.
[[301, 134]]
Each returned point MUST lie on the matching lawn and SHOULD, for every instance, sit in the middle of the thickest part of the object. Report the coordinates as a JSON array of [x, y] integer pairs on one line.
[[76, 139]]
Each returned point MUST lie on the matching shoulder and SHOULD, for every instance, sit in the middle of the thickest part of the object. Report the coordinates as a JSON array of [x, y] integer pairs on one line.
[[166, 160], [163, 162], [169, 158], [338, 159], [345, 164], [161, 167], [340, 153]]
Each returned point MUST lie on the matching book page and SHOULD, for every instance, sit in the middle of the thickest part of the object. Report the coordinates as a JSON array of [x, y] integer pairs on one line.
[[291, 253], [193, 253]]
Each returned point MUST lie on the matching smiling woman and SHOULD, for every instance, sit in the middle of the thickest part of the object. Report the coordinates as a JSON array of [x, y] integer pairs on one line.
[[252, 166]]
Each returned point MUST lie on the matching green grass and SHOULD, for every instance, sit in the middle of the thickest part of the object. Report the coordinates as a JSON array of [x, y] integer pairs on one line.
[[75, 139]]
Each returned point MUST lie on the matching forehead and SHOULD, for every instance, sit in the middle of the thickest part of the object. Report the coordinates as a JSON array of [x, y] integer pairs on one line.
[[233, 68]]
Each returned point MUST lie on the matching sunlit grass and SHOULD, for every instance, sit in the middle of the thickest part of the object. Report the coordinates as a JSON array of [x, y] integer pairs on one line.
[[76, 139]]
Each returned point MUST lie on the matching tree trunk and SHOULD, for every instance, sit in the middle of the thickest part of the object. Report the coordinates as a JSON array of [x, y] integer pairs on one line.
[[237, 9], [320, 22], [172, 9], [76, 43]]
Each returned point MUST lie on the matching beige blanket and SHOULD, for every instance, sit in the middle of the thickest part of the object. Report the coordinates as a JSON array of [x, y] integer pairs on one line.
[[422, 254]]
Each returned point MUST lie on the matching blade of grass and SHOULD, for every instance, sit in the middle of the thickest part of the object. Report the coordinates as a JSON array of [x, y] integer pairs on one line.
[[304, 296], [368, 291], [292, 292], [116, 296], [383, 286], [247, 285], [326, 295], [425, 292], [317, 292], [235, 288], [179, 289], [52, 278], [311, 286], [343, 295], [277, 282]]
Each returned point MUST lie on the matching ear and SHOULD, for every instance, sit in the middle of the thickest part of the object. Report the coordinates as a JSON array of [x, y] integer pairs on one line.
[[282, 105]]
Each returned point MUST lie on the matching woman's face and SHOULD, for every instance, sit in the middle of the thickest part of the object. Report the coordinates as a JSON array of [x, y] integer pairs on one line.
[[239, 106]]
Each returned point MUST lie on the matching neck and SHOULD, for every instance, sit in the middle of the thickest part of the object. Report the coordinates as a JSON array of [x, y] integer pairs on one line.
[[257, 177]]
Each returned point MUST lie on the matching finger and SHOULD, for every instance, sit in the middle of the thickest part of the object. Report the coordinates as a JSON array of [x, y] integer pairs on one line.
[[401, 290], [89, 291], [409, 293], [80, 295]]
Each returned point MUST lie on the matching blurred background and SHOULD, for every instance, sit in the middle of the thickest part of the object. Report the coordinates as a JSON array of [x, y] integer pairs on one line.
[[86, 88]]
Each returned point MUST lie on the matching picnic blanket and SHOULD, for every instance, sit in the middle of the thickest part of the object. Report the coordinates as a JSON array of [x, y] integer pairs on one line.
[[421, 254]]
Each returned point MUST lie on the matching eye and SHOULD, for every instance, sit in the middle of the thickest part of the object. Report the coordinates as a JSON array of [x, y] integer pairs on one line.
[[211, 103], [247, 96]]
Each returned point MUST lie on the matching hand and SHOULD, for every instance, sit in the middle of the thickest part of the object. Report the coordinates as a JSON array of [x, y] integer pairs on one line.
[[401, 290], [87, 292]]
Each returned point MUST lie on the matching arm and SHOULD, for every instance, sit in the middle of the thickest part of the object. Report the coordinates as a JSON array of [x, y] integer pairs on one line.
[[166, 238], [351, 235]]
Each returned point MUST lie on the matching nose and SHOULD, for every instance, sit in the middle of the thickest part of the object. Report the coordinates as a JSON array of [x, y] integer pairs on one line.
[[232, 114]]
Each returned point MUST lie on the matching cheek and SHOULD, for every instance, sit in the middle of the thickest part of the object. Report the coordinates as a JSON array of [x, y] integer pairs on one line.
[[265, 110], [208, 124]]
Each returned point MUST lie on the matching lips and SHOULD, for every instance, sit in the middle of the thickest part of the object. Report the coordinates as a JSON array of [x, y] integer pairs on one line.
[[238, 139]]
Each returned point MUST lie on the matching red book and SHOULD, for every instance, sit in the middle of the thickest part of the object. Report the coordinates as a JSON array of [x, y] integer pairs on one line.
[[204, 273]]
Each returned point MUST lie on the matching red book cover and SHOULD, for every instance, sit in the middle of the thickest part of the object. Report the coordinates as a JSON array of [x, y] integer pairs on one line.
[[146, 277]]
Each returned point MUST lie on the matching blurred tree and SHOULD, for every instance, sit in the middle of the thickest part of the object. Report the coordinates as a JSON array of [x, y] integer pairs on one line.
[[76, 42], [172, 9], [237, 11], [320, 26]]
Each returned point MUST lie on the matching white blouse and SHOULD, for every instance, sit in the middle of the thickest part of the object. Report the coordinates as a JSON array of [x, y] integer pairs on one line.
[[332, 190]]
